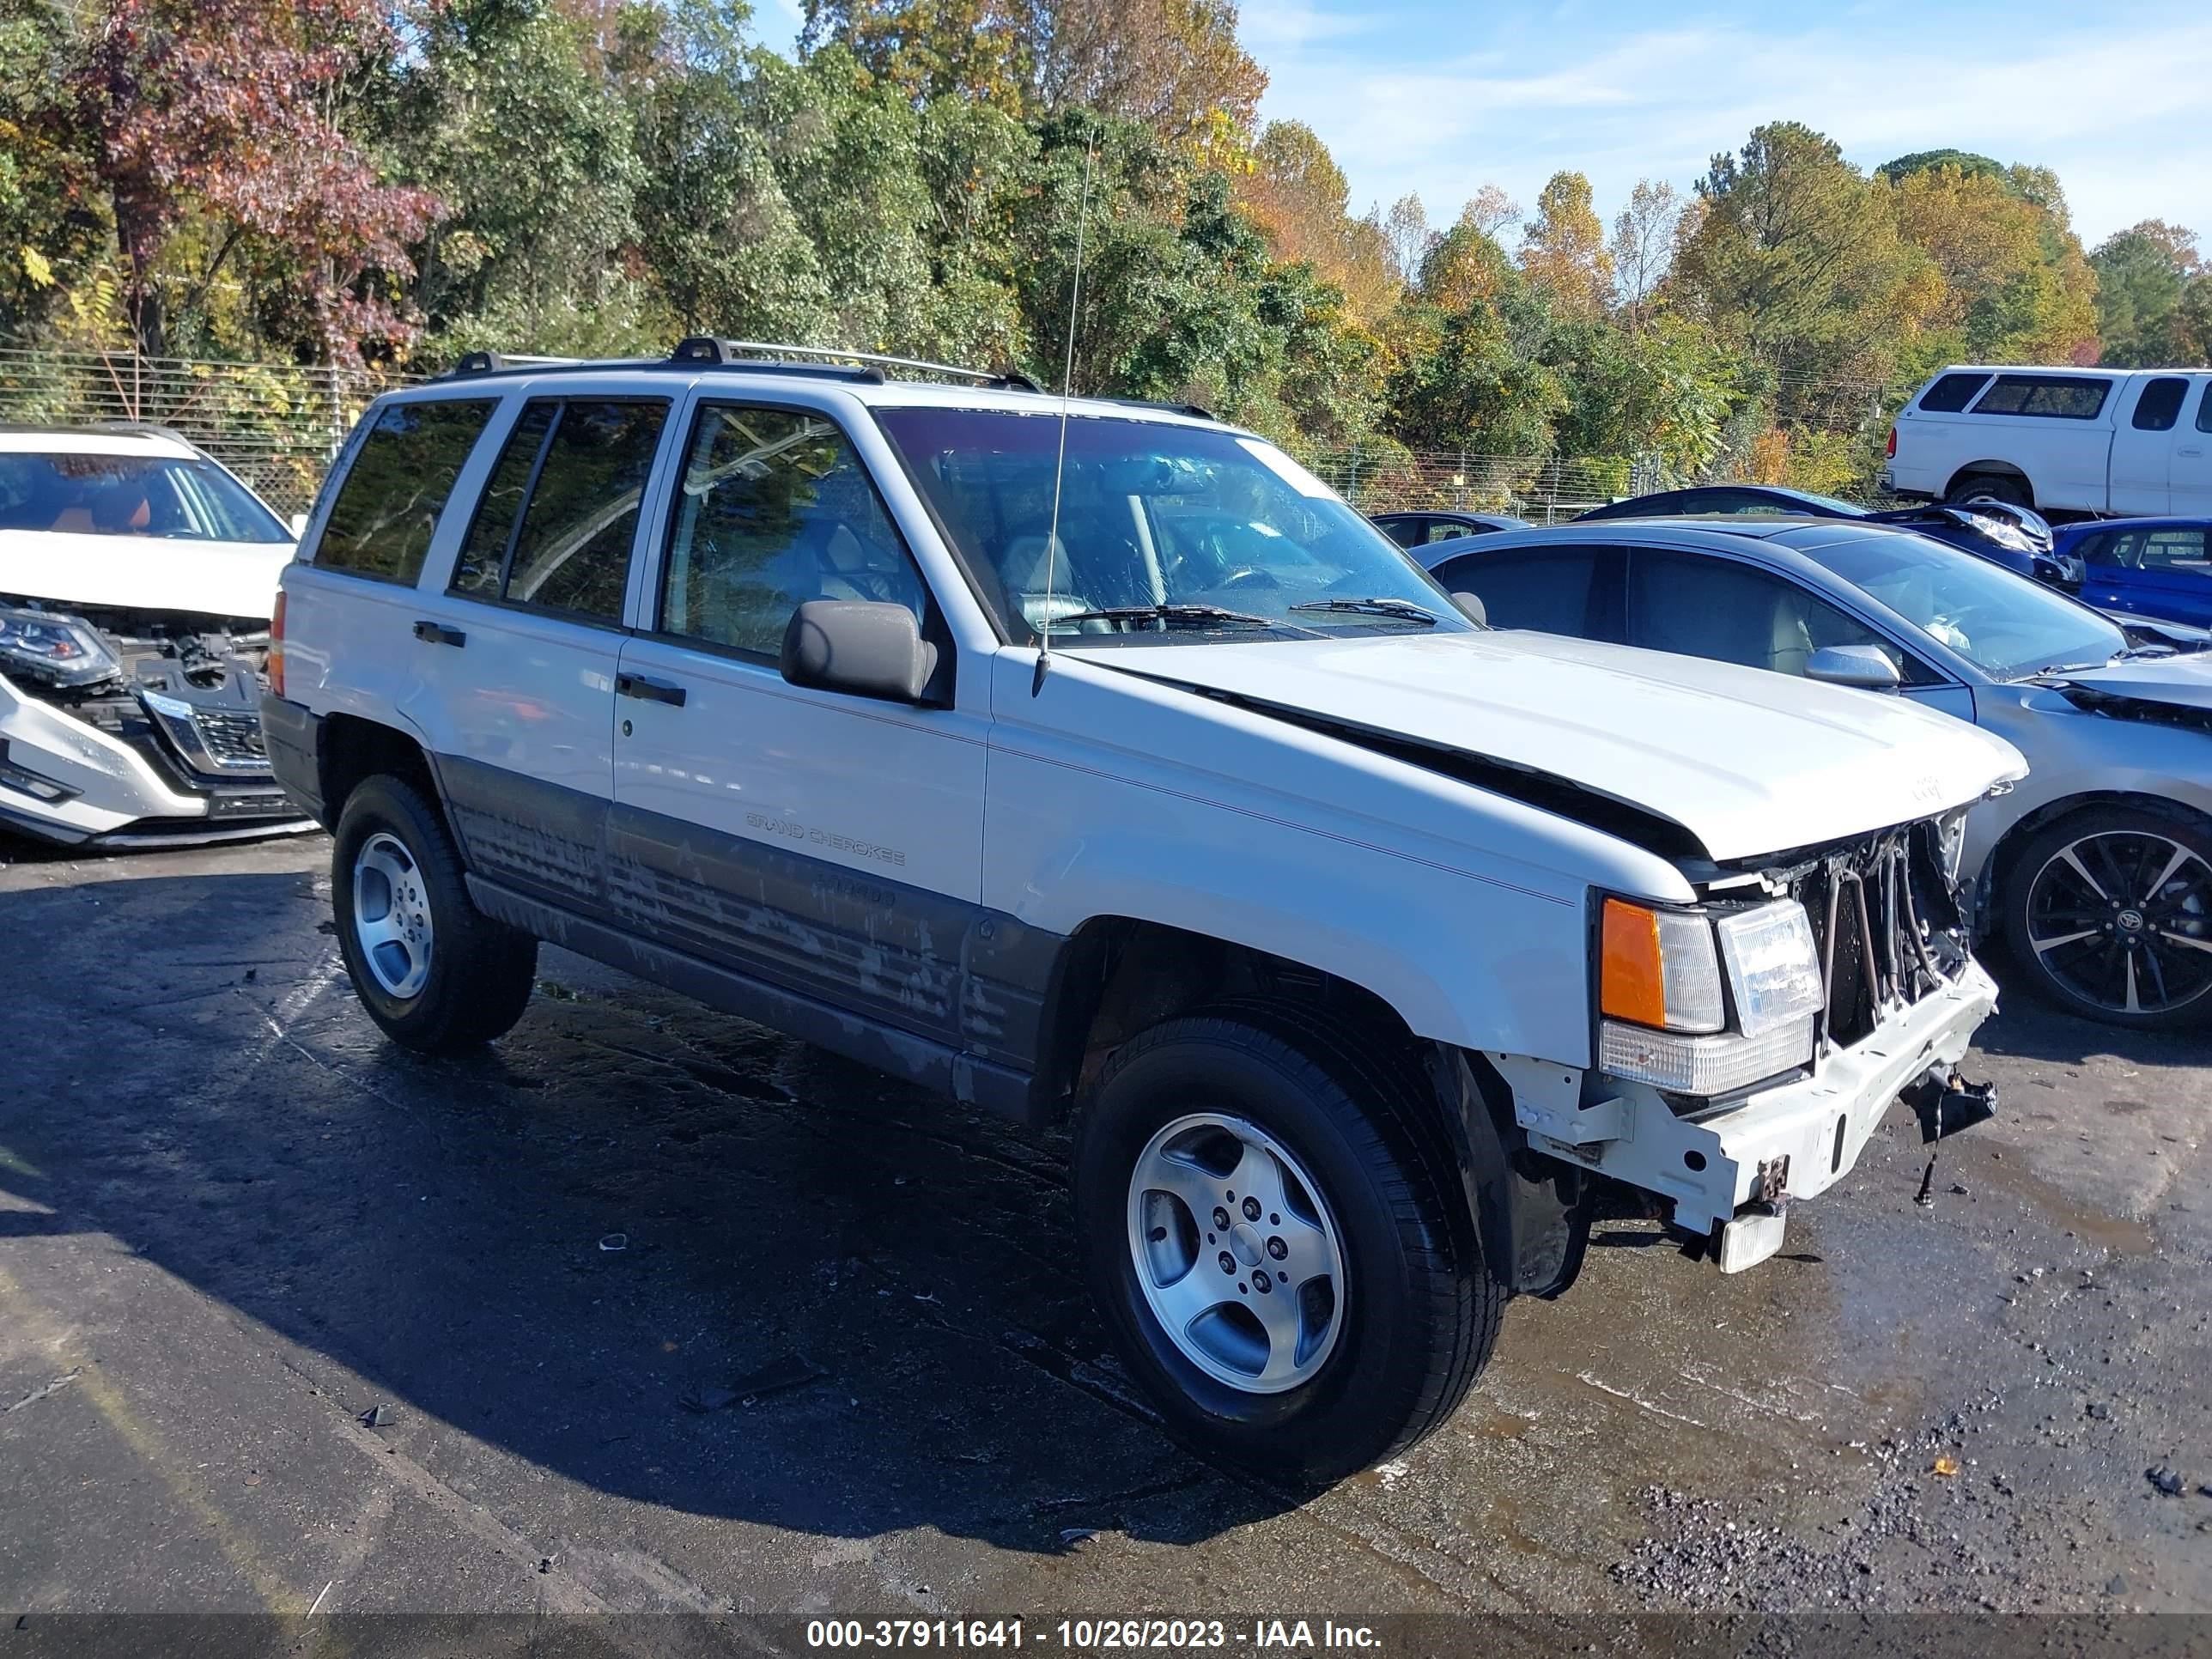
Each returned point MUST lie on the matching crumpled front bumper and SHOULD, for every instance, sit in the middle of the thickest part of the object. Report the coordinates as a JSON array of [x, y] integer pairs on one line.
[[1737, 1166], [63, 780]]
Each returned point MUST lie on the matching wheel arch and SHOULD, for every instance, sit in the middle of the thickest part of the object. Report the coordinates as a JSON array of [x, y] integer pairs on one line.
[[1998, 868], [1118, 975], [351, 748], [1988, 469]]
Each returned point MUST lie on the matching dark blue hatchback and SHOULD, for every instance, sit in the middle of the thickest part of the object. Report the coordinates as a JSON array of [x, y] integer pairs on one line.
[[2155, 567]]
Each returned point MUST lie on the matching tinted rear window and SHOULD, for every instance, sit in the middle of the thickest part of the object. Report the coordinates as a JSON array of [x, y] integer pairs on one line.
[[387, 508], [2059, 397], [1952, 392], [2159, 406], [1546, 590], [582, 465], [2204, 409]]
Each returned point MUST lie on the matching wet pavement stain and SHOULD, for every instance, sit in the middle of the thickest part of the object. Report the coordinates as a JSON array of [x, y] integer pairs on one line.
[[258, 1220]]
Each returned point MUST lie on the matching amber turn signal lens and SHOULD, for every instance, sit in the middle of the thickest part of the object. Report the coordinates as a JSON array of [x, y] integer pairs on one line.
[[276, 665], [1632, 984]]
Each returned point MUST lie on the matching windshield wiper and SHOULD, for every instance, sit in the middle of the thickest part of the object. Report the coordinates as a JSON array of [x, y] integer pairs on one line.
[[1406, 610], [1175, 615]]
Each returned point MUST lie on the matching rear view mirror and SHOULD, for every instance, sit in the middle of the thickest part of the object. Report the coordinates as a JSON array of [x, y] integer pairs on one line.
[[1472, 607], [298, 524], [859, 646], [1865, 666]]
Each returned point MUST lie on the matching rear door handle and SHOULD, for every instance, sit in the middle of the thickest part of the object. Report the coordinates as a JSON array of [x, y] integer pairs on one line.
[[438, 634], [2193, 454], [652, 691]]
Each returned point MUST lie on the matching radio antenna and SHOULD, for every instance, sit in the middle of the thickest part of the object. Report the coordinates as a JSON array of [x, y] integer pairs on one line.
[[1059, 463]]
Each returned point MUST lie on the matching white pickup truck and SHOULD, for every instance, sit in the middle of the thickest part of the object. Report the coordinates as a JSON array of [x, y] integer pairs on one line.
[[2136, 441]]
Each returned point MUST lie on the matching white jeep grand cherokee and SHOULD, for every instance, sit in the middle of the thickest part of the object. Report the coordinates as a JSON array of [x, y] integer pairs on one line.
[[1361, 942]]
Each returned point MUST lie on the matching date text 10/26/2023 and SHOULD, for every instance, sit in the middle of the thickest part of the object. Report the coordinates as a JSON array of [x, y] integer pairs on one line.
[[1091, 1635]]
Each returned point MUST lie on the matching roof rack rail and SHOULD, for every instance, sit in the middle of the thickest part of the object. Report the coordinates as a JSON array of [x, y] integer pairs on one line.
[[1167, 405], [492, 362], [706, 349], [143, 429]]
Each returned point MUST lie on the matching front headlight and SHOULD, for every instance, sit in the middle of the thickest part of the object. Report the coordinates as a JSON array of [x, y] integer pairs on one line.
[[1666, 1017], [2005, 534], [54, 650]]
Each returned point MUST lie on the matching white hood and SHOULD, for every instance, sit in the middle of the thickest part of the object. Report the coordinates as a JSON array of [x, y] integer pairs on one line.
[[1748, 762], [143, 573]]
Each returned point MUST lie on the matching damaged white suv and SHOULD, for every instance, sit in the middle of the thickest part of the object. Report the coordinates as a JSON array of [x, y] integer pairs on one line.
[[1361, 943], [137, 577]]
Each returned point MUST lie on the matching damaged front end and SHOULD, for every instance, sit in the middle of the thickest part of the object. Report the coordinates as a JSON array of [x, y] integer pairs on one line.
[[123, 728], [2127, 706], [1842, 977]]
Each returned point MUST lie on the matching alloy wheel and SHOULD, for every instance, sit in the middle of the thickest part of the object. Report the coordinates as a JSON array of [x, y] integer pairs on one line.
[[391, 915], [2122, 919], [1237, 1253]]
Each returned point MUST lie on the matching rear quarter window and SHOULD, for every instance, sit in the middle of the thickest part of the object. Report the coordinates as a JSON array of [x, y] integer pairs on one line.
[[2055, 396], [387, 508], [1951, 393]]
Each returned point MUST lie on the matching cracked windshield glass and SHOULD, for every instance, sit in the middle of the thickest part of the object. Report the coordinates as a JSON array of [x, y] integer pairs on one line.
[[1167, 532]]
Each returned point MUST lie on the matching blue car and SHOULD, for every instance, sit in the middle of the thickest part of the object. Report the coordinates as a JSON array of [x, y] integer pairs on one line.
[[2144, 566], [2017, 538]]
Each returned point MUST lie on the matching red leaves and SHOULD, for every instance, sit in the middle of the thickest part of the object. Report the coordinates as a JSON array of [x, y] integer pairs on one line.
[[226, 106]]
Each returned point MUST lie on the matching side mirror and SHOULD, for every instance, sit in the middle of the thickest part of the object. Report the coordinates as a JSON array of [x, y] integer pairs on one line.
[[1472, 607], [859, 646], [298, 524], [1865, 666]]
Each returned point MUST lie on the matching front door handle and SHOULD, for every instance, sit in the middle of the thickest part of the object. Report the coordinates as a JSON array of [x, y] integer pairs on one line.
[[438, 634], [2193, 454], [652, 691]]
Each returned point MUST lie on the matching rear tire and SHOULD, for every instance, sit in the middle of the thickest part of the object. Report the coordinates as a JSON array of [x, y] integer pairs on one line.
[[2111, 905], [1990, 487], [432, 970], [1342, 1154]]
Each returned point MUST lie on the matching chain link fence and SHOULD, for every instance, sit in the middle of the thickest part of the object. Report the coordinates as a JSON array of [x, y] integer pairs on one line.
[[1542, 489], [275, 426]]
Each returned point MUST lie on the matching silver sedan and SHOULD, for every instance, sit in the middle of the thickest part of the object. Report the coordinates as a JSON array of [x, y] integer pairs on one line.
[[2098, 868]]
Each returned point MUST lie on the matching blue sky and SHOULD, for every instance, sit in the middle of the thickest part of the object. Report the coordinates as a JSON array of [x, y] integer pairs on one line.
[[1439, 98], [1428, 96]]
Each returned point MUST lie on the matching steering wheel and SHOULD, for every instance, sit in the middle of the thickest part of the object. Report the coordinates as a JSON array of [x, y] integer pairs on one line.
[[1251, 576]]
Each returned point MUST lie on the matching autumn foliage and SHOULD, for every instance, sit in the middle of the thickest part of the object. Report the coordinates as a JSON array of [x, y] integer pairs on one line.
[[401, 180]]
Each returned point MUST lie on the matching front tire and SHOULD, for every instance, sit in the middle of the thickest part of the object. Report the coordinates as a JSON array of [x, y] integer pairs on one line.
[[2109, 911], [434, 971], [1272, 1224]]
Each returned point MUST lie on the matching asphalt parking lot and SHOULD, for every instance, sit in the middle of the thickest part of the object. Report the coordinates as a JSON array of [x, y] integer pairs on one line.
[[647, 1309]]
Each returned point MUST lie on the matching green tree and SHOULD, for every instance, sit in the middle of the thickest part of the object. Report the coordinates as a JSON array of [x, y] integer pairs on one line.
[[533, 148], [1796, 257], [725, 245], [1482, 387], [2143, 274], [982, 50]]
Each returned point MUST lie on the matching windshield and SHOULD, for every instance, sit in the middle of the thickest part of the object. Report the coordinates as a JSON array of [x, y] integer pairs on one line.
[[1167, 532], [149, 496], [1842, 509], [2007, 626]]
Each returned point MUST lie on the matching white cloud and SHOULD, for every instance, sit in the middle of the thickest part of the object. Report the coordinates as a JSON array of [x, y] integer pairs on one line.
[[2117, 111]]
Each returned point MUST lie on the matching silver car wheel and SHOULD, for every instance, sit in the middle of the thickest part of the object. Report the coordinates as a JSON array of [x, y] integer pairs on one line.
[[2122, 919], [1236, 1253], [391, 915]]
